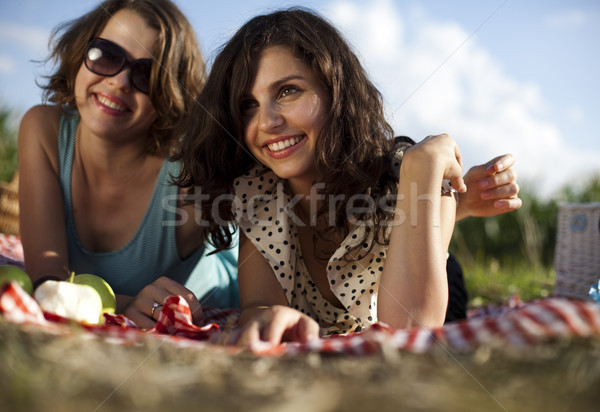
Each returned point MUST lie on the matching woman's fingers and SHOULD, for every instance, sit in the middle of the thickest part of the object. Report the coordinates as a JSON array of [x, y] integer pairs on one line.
[[250, 334], [505, 177], [306, 330], [140, 312], [168, 287], [508, 205], [458, 181], [146, 306], [478, 175], [499, 164], [507, 191], [278, 324], [290, 326]]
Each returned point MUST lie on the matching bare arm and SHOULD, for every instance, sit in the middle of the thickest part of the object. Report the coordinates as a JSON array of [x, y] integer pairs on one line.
[[258, 286], [413, 289], [265, 313], [42, 224]]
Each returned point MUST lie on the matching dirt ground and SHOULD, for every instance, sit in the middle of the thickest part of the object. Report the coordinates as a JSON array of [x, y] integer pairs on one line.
[[40, 372]]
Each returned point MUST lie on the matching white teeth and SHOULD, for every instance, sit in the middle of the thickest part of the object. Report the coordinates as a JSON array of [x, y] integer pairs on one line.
[[284, 144], [111, 104]]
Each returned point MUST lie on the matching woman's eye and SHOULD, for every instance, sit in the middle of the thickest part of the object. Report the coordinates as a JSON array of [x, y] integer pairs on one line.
[[247, 105], [288, 90]]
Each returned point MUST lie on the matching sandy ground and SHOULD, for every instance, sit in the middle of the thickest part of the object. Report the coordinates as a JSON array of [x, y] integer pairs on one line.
[[40, 372]]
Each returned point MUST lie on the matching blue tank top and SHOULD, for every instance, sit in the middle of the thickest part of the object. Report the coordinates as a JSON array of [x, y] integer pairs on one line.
[[152, 252]]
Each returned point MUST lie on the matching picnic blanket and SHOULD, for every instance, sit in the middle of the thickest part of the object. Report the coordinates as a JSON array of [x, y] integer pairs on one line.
[[11, 250], [516, 324]]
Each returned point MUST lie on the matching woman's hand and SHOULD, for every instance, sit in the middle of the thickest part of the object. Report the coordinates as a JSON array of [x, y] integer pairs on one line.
[[493, 189], [433, 156], [146, 306], [276, 324]]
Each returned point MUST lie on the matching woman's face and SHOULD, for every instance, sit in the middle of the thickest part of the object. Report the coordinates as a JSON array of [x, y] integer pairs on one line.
[[284, 111], [111, 107]]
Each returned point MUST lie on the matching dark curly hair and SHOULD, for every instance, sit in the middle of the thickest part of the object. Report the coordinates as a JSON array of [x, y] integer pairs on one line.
[[178, 71], [354, 148]]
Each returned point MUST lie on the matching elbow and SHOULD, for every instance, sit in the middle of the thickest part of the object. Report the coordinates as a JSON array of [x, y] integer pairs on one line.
[[429, 316], [422, 322]]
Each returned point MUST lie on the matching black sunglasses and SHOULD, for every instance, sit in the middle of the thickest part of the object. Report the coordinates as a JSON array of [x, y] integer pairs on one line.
[[106, 58]]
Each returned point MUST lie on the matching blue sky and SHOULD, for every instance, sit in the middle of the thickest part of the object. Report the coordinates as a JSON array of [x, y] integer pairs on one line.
[[499, 76]]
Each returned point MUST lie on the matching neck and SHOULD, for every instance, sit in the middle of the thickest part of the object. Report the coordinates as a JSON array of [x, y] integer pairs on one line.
[[112, 160], [310, 199]]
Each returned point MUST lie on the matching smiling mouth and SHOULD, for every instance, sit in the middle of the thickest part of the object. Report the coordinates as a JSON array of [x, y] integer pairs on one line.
[[110, 104], [284, 144]]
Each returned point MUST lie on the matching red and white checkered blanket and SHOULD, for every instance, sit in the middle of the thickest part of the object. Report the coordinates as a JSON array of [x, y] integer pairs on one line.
[[516, 324], [11, 250]]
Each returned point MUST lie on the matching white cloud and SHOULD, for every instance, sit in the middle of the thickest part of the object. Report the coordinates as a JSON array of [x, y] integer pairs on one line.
[[7, 64], [566, 19], [576, 114], [433, 81], [33, 39]]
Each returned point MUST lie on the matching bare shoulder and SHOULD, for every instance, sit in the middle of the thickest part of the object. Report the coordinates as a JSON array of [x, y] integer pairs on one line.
[[40, 123], [43, 112], [38, 133], [42, 117]]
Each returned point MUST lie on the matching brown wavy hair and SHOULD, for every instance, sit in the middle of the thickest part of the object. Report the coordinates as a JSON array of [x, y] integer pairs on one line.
[[354, 148], [178, 70]]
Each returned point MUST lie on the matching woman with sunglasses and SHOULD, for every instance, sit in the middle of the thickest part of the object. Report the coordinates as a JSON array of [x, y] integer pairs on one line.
[[96, 192]]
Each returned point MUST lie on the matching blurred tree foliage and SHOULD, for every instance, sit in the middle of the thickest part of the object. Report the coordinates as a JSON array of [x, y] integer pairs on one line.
[[589, 192], [8, 145]]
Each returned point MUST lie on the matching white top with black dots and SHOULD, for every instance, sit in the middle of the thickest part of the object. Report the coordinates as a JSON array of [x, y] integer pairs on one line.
[[264, 213]]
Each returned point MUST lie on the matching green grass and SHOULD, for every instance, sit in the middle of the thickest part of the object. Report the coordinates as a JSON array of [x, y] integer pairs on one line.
[[8, 161], [495, 282], [8, 145]]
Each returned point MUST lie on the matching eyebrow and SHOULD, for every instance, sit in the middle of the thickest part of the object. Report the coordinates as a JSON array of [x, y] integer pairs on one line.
[[286, 79], [278, 83]]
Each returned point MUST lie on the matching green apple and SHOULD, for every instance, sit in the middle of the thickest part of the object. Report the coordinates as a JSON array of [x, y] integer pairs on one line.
[[9, 272], [77, 302], [109, 301]]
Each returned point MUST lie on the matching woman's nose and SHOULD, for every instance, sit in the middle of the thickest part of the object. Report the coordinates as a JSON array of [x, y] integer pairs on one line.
[[122, 80], [270, 117]]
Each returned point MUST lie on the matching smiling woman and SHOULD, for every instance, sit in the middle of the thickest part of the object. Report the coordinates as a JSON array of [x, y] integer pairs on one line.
[[342, 225], [285, 91], [108, 104], [96, 193]]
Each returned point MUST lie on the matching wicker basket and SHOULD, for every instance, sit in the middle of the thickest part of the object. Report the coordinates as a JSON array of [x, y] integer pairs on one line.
[[9, 206], [577, 258]]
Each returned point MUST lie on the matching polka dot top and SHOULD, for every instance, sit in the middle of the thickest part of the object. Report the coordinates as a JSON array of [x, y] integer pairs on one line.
[[265, 214]]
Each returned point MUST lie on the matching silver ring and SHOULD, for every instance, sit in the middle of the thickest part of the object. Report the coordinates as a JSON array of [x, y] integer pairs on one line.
[[154, 307]]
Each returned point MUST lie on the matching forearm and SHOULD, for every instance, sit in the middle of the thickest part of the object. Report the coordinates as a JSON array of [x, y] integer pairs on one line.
[[413, 289], [45, 252], [258, 287], [41, 214]]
